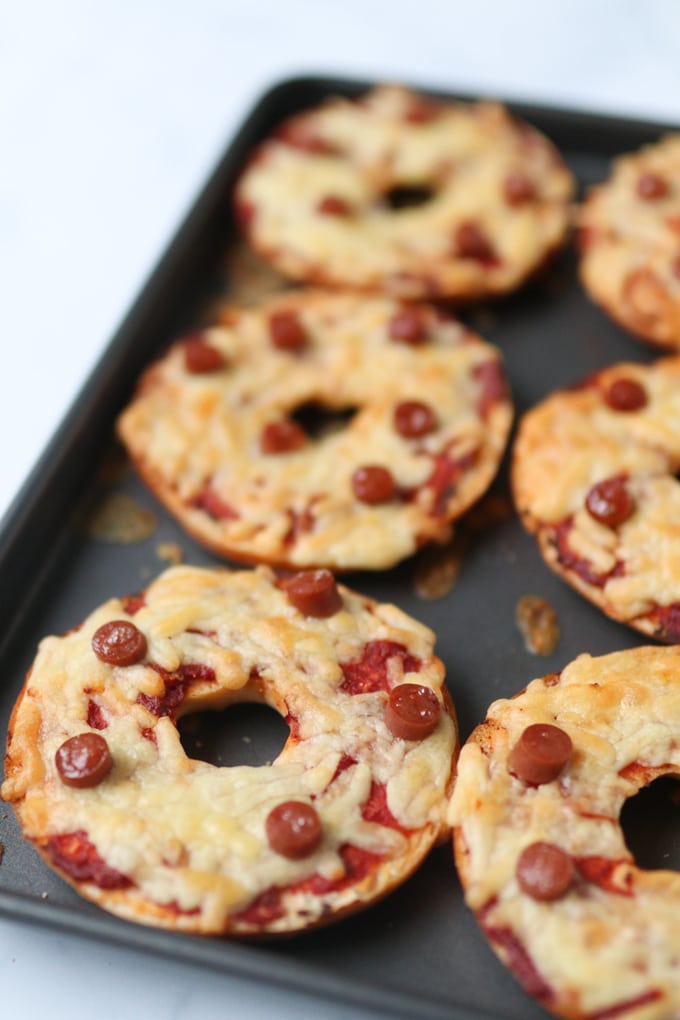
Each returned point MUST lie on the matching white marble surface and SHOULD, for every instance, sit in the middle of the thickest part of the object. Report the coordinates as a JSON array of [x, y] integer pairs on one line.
[[111, 116]]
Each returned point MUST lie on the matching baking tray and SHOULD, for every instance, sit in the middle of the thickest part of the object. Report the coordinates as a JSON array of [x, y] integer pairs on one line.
[[419, 952]]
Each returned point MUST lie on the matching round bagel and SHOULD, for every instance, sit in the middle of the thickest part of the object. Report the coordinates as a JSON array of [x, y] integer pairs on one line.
[[407, 195], [593, 475], [630, 242], [224, 438], [542, 857], [102, 787]]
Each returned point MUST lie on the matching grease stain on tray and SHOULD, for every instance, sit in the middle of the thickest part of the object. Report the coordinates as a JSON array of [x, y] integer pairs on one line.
[[438, 565], [538, 624], [437, 568], [120, 518]]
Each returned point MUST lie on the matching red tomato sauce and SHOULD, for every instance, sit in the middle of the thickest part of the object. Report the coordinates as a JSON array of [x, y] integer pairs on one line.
[[369, 673]]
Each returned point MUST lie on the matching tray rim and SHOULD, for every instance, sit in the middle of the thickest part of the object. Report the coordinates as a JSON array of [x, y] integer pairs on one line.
[[58, 451], [208, 952]]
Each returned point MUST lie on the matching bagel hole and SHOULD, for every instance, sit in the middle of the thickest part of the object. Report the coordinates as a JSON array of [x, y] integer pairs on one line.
[[318, 421], [408, 196], [650, 821], [243, 734]]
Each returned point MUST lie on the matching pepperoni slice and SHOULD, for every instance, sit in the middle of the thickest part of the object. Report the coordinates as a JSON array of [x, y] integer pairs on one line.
[[518, 189], [282, 437], [408, 326], [84, 760], [472, 243], [286, 331], [413, 418], [610, 502], [651, 186], [412, 711], [314, 593], [200, 357], [544, 871], [540, 754], [333, 205], [625, 395], [373, 484], [293, 829], [119, 643]]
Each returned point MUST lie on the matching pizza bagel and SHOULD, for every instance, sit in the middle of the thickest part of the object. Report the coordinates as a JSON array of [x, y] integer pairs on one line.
[[629, 232], [102, 787], [321, 429], [539, 845], [405, 194], [594, 479]]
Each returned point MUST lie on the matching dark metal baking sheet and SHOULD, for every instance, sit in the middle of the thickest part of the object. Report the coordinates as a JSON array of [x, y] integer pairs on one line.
[[419, 952]]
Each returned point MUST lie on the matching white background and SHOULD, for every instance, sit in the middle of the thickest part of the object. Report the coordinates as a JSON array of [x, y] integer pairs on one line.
[[111, 116]]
